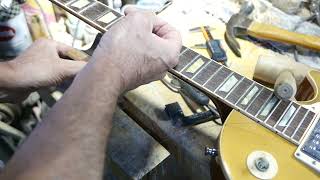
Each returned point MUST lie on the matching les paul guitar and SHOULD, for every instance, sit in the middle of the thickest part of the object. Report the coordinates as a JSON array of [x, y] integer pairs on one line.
[[271, 138]]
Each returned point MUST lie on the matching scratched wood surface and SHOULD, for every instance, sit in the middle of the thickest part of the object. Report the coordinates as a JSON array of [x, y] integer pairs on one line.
[[131, 152]]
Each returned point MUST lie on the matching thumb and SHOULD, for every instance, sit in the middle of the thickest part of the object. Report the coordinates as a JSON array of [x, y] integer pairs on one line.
[[70, 68]]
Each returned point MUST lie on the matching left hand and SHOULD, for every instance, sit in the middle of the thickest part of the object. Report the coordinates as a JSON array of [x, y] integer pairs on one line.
[[40, 66]]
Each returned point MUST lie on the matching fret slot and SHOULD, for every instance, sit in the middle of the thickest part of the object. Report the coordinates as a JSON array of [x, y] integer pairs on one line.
[[217, 79], [249, 97], [295, 121], [205, 74], [195, 66], [304, 125], [185, 59], [228, 85], [277, 113], [108, 18], [80, 5], [95, 11], [238, 91], [286, 118], [256, 105]]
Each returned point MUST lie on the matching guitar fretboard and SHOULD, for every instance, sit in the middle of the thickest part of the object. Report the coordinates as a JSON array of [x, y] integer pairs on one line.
[[286, 118]]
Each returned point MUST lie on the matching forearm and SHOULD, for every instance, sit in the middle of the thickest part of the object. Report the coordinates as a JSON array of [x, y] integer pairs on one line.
[[71, 142]]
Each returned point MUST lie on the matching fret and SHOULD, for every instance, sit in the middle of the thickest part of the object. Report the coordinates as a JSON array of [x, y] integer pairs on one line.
[[303, 126], [285, 120], [186, 58], [94, 11], [239, 90], [183, 48], [207, 72], [229, 85], [80, 5], [216, 80], [277, 113], [261, 99], [268, 108], [302, 112], [193, 68], [249, 96]]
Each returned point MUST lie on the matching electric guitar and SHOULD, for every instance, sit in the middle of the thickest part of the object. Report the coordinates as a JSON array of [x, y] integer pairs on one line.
[[267, 138]]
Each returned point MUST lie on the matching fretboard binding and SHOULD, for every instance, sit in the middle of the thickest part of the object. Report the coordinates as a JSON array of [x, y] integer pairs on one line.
[[304, 117], [252, 99]]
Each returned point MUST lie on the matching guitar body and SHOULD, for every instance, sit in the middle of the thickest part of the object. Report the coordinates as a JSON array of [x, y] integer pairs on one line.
[[241, 136]]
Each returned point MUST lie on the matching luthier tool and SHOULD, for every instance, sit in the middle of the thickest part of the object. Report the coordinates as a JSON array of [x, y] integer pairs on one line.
[[175, 112], [239, 25], [213, 46]]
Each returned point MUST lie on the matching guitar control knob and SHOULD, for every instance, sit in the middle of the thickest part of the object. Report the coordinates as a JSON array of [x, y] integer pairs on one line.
[[262, 165], [211, 152]]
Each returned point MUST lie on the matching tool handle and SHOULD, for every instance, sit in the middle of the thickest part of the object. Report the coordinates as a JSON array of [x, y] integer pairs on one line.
[[285, 87], [216, 51], [77, 55], [270, 32]]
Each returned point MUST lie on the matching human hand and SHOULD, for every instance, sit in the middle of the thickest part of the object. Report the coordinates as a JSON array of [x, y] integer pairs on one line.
[[141, 46], [42, 65]]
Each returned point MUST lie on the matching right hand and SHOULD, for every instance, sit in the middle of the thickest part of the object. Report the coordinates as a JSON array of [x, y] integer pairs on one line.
[[141, 46]]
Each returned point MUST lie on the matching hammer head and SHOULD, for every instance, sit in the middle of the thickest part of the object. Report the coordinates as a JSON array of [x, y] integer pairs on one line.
[[237, 25]]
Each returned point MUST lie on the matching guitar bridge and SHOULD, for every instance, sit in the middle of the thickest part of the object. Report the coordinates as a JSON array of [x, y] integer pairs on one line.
[[309, 150]]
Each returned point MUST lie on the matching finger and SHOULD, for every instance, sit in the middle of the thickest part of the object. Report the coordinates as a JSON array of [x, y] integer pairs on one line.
[[63, 49], [69, 68], [130, 9]]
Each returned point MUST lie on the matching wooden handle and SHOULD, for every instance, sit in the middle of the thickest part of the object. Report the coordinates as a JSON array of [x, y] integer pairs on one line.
[[78, 55], [268, 69], [285, 87], [271, 32]]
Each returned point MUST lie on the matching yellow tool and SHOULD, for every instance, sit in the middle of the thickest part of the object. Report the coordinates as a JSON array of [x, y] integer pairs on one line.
[[240, 25]]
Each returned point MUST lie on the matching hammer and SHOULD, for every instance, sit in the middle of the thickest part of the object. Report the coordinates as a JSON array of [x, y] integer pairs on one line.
[[240, 25]]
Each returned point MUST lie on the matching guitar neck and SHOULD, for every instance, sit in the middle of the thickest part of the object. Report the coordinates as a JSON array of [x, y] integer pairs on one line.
[[286, 118]]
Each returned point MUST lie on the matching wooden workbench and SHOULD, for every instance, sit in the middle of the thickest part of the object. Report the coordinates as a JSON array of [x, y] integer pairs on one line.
[[146, 103]]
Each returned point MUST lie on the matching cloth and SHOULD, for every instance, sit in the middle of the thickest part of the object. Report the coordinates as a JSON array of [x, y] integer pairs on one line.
[[10, 12]]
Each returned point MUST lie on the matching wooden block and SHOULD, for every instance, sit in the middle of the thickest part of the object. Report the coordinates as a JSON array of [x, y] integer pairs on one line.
[[131, 152]]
